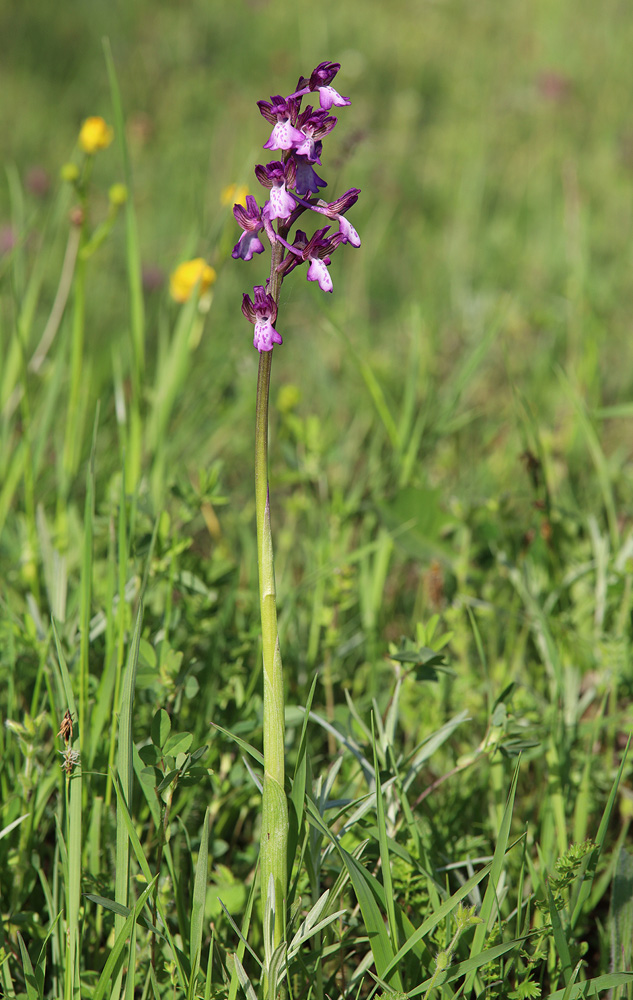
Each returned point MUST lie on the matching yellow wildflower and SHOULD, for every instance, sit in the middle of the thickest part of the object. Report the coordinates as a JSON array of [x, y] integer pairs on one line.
[[234, 194], [95, 135], [187, 275]]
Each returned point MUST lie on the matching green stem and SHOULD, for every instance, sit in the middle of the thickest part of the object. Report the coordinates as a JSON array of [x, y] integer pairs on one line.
[[73, 431], [274, 844], [72, 437]]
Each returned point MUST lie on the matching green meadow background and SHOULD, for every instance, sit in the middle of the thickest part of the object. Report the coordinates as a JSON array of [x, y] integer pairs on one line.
[[451, 490]]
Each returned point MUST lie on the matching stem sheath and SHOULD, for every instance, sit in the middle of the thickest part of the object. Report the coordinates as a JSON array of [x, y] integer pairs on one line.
[[274, 806]]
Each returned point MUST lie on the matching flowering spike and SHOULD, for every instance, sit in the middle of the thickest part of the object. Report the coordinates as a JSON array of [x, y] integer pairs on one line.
[[293, 188]]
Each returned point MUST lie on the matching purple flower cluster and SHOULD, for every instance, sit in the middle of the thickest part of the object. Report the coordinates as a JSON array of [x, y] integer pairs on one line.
[[293, 188]]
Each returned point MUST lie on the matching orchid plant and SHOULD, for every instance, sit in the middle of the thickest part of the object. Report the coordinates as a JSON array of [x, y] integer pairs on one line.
[[293, 188]]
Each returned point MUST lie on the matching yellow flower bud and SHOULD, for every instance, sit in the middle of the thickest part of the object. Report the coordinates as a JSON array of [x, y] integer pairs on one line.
[[186, 276], [95, 135], [69, 173], [118, 194]]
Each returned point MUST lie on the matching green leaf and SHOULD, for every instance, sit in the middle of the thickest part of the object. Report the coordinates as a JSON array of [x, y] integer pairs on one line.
[[178, 743], [592, 987], [372, 917], [246, 747], [167, 780], [422, 656], [108, 904], [199, 897], [560, 940], [32, 990], [192, 687], [161, 728], [621, 911], [150, 755]]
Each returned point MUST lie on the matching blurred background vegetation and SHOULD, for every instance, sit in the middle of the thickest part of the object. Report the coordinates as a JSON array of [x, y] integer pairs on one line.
[[492, 142]]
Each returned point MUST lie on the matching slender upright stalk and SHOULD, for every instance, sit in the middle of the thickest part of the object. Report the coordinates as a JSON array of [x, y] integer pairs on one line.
[[291, 181], [274, 806]]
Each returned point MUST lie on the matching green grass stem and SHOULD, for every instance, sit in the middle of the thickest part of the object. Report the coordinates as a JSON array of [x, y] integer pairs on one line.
[[125, 772]]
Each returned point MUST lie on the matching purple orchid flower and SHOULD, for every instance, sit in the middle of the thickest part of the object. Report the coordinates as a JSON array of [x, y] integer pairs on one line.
[[314, 125], [263, 313], [277, 177], [323, 74], [320, 81], [336, 210], [307, 179], [281, 113], [316, 251], [250, 219]]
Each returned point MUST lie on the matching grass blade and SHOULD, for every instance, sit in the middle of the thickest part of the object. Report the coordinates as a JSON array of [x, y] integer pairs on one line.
[[134, 275], [118, 946], [125, 771], [489, 905], [592, 987], [199, 897], [386, 865], [589, 867]]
